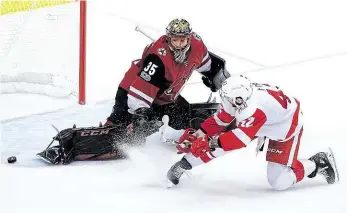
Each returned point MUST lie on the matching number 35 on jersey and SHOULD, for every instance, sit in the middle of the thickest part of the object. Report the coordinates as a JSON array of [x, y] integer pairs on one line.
[[148, 71]]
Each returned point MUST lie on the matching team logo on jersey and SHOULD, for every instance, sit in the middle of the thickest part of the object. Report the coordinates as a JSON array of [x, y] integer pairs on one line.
[[162, 51], [197, 37], [276, 151]]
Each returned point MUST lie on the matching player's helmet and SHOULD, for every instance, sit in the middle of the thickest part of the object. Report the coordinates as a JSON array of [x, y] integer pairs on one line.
[[179, 28], [237, 90]]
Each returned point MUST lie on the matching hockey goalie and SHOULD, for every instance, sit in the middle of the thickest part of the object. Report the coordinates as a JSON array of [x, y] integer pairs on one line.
[[149, 90], [260, 110]]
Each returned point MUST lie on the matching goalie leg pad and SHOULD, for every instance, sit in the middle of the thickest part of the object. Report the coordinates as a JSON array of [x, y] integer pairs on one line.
[[93, 141]]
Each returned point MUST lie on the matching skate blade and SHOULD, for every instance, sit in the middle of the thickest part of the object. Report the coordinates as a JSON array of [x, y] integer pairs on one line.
[[188, 174], [333, 164], [44, 159], [169, 184]]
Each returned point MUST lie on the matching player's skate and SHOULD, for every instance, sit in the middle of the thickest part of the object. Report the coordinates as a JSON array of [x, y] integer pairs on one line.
[[175, 172], [51, 155], [325, 166]]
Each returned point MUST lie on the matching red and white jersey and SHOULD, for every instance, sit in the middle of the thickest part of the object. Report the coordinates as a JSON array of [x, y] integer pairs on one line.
[[269, 112]]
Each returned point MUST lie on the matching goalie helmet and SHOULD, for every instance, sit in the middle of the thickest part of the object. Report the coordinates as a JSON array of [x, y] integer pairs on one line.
[[179, 28], [237, 90]]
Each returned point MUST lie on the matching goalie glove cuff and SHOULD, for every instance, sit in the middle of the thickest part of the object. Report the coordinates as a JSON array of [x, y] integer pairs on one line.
[[208, 83]]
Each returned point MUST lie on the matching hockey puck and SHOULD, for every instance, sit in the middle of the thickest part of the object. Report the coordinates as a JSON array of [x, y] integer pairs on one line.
[[11, 159]]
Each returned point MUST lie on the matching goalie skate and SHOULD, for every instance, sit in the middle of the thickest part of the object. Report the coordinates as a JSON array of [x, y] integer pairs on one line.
[[50, 155], [325, 166]]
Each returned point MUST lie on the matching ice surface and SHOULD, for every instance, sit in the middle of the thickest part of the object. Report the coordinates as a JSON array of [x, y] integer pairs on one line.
[[267, 32]]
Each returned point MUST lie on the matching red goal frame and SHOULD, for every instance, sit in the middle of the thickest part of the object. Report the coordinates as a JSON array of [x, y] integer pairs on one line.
[[82, 56]]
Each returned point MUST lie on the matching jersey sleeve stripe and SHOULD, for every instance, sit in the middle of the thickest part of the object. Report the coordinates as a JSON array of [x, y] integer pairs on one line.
[[219, 121], [141, 94], [205, 64], [242, 136], [207, 56], [204, 67]]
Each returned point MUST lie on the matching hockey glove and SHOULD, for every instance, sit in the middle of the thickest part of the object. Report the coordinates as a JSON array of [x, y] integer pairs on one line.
[[204, 146], [209, 83], [142, 116], [184, 143], [200, 146], [144, 122]]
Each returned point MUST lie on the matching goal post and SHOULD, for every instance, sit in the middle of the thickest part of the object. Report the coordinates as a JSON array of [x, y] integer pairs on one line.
[[82, 65], [43, 48]]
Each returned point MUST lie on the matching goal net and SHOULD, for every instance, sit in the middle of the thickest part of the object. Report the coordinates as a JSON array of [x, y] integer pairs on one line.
[[41, 48]]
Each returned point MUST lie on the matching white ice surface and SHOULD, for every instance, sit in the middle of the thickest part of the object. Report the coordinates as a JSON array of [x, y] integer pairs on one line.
[[268, 32]]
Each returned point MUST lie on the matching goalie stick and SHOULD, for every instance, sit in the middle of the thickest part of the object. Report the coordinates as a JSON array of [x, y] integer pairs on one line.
[[138, 29], [162, 129]]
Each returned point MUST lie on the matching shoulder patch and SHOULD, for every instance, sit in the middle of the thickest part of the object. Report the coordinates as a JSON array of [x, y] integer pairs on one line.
[[161, 51]]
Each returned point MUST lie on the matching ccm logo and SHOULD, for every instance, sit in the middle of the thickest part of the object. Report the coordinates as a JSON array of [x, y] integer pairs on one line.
[[95, 132], [276, 151]]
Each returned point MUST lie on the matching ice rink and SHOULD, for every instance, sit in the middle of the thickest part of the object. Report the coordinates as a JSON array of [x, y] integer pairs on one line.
[[298, 45]]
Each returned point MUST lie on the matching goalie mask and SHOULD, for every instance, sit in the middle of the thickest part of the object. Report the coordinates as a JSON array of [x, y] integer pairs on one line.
[[179, 34], [237, 90]]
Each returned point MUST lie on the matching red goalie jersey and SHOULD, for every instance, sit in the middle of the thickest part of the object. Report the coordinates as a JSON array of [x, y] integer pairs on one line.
[[269, 112], [157, 78]]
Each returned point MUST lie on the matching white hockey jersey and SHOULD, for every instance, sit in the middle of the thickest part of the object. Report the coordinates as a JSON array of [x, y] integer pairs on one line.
[[269, 112]]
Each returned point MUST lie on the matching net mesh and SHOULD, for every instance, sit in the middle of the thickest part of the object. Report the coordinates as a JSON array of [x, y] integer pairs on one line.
[[12, 6], [39, 47]]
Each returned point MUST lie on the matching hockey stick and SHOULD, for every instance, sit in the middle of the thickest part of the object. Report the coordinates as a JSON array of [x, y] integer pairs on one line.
[[162, 129], [260, 145], [138, 29]]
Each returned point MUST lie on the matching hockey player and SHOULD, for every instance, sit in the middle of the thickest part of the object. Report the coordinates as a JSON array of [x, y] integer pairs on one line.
[[260, 111], [152, 85], [150, 89]]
